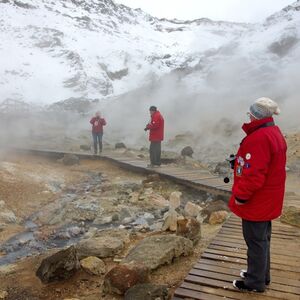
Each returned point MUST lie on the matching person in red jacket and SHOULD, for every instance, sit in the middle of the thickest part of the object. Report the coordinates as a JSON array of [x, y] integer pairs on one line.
[[258, 190], [156, 136], [97, 131]]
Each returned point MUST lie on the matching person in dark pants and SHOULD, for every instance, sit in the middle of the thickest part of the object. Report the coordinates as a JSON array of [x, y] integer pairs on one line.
[[258, 190], [156, 136], [97, 131]]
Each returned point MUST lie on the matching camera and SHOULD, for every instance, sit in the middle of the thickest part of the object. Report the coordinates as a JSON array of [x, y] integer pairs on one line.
[[231, 161]]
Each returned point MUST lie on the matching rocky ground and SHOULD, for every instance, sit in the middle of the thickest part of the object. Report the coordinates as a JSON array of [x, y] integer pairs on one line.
[[103, 210], [122, 225]]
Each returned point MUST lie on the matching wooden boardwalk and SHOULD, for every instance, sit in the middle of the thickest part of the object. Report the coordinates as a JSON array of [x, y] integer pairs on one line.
[[211, 277], [200, 179]]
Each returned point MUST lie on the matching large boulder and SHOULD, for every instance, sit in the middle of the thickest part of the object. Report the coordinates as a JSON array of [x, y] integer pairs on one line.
[[62, 265], [147, 291], [291, 215], [158, 250], [101, 247], [122, 277], [93, 265]]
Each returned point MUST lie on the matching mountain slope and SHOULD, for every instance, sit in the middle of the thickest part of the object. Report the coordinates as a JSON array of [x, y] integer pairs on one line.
[[54, 50]]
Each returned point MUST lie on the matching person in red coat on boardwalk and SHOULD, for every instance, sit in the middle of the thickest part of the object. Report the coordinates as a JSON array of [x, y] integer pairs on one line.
[[258, 190], [97, 131], [156, 136]]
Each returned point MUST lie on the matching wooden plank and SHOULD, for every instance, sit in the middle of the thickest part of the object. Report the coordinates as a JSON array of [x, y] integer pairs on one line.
[[239, 266], [275, 229], [280, 278], [193, 178], [228, 286], [274, 250], [231, 232], [293, 247], [276, 239], [274, 254], [274, 258], [198, 295], [210, 182], [221, 258], [229, 278], [226, 293]]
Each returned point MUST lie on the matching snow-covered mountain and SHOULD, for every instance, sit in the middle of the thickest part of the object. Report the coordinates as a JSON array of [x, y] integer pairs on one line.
[[202, 74], [53, 50]]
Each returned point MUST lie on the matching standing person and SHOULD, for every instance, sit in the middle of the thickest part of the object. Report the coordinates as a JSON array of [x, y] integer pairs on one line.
[[156, 136], [97, 131], [258, 190]]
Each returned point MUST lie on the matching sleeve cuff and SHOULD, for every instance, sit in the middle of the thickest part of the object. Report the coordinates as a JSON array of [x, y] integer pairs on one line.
[[240, 200]]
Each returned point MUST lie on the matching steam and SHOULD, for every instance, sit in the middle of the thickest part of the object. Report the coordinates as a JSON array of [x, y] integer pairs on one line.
[[204, 103]]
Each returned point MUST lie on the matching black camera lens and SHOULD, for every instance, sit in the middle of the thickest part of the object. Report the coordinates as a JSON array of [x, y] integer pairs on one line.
[[226, 180]]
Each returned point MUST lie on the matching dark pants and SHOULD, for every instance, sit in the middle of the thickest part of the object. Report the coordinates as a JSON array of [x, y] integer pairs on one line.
[[155, 152], [97, 137], [257, 236]]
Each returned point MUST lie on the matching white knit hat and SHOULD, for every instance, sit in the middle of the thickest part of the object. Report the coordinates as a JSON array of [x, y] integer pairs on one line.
[[264, 108]]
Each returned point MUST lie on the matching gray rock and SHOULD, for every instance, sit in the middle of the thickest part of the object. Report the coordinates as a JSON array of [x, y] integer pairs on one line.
[[147, 291], [212, 206], [85, 147], [158, 250], [93, 265], [62, 265], [189, 228], [103, 220], [99, 246], [125, 213], [218, 217], [120, 234], [120, 146], [122, 277], [187, 151]]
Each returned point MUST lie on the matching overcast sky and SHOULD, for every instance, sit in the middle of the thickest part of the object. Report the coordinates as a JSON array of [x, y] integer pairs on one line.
[[227, 10]]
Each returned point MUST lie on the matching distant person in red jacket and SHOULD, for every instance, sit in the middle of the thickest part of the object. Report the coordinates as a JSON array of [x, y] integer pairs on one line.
[[156, 136], [258, 190], [97, 131]]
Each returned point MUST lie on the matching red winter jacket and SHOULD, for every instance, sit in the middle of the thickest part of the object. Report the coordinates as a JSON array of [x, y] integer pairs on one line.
[[98, 124], [259, 172], [156, 127]]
